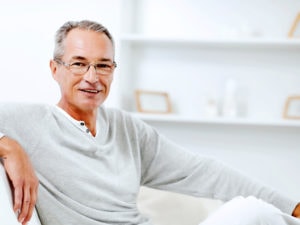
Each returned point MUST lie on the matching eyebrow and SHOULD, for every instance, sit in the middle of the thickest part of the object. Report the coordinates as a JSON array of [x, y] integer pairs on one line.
[[85, 59]]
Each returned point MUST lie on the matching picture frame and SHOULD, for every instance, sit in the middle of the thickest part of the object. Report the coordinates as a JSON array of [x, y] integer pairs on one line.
[[292, 107], [295, 29], [153, 102]]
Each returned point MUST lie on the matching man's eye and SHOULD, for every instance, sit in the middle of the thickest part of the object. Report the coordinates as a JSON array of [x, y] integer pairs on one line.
[[78, 64], [103, 66]]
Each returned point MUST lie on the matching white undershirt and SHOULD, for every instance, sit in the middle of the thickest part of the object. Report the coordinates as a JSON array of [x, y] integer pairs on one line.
[[80, 124]]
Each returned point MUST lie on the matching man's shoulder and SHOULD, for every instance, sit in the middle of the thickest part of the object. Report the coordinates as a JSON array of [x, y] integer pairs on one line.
[[24, 108], [24, 105]]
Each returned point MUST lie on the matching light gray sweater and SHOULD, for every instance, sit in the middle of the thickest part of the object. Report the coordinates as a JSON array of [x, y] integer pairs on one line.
[[95, 180]]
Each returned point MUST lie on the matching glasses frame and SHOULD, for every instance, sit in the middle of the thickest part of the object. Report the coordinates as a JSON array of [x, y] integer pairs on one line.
[[68, 66]]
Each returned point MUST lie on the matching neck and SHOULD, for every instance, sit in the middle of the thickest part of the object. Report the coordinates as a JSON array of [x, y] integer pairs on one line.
[[88, 116]]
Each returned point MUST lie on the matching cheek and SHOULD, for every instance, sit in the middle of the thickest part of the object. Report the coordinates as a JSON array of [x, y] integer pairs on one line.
[[68, 83], [106, 81]]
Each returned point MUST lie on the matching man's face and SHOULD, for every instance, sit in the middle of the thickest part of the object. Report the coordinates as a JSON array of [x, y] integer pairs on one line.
[[86, 92]]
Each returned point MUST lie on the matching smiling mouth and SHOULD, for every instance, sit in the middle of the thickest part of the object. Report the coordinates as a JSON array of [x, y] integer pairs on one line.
[[93, 91]]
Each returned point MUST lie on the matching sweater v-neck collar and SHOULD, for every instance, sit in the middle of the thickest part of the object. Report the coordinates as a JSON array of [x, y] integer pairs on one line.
[[78, 123]]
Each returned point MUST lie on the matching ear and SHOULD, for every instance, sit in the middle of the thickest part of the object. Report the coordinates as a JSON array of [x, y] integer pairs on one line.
[[53, 68]]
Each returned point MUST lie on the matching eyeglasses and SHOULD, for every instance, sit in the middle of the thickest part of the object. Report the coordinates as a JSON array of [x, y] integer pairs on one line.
[[80, 68]]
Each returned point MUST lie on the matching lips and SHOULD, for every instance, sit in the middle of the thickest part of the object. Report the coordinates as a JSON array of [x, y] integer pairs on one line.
[[92, 91]]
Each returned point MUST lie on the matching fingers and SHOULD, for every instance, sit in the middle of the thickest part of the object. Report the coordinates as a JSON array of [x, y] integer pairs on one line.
[[25, 205], [25, 199], [18, 197], [31, 206], [29, 214]]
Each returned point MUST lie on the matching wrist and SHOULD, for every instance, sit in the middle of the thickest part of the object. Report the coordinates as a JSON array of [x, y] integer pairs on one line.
[[5, 146]]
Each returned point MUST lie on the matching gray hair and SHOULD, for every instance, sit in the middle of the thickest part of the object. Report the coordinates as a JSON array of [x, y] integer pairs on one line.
[[63, 31]]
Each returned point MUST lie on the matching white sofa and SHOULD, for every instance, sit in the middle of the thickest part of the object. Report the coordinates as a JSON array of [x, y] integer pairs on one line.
[[164, 208], [7, 215]]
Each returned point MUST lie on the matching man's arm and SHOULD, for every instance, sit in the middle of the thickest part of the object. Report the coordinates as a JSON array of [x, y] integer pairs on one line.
[[22, 177]]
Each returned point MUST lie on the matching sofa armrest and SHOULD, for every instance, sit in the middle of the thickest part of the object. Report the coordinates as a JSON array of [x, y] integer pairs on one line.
[[8, 217]]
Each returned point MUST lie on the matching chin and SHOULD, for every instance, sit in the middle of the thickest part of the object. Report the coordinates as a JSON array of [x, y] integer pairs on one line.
[[91, 106], [90, 103]]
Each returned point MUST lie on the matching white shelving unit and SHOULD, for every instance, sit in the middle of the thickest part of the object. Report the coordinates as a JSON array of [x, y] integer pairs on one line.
[[217, 121], [259, 43], [193, 67], [235, 56]]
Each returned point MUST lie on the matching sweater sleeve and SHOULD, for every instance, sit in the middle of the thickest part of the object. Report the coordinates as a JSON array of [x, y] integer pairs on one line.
[[168, 166], [22, 122]]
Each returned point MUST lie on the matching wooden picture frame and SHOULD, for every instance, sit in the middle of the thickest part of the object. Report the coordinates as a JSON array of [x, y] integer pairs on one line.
[[292, 107], [153, 102], [295, 29]]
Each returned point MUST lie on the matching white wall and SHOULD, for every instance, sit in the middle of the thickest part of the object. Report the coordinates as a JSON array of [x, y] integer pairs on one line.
[[26, 43]]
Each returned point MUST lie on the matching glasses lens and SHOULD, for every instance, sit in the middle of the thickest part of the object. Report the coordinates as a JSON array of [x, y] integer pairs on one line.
[[79, 68], [104, 68]]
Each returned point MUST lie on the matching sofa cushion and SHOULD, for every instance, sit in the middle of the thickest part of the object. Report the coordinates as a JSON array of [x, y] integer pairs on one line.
[[165, 208]]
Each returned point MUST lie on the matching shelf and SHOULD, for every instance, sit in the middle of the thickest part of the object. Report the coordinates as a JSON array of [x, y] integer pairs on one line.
[[280, 43], [216, 121]]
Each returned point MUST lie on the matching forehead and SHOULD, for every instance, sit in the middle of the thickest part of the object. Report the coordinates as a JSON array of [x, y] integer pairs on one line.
[[88, 44]]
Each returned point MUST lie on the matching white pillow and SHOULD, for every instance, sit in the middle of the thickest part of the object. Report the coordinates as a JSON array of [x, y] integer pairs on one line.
[[165, 208]]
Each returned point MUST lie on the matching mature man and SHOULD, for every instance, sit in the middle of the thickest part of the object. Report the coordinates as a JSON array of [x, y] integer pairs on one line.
[[90, 161]]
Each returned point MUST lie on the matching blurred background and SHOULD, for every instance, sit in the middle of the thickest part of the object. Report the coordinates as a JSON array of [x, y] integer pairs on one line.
[[27, 34], [227, 66]]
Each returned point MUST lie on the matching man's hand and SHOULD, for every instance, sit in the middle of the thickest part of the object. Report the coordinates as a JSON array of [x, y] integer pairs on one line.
[[296, 212], [22, 177]]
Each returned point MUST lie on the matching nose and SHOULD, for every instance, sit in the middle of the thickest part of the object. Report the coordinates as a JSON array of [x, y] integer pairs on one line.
[[91, 75]]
